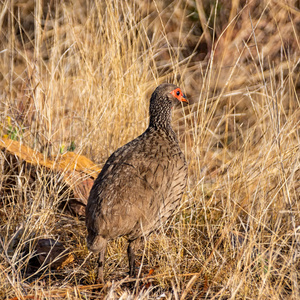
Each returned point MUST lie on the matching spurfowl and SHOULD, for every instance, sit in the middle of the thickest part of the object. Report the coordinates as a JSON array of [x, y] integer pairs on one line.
[[141, 184]]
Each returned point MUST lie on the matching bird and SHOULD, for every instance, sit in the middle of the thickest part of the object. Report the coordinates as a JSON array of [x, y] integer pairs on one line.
[[140, 185]]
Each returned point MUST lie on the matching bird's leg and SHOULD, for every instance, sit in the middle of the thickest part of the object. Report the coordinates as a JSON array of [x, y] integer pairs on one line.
[[100, 274], [131, 260]]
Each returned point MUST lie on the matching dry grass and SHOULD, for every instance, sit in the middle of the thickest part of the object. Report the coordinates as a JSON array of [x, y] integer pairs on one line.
[[80, 74]]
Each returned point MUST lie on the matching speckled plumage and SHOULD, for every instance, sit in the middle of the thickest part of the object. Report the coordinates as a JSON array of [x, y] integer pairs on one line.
[[141, 184]]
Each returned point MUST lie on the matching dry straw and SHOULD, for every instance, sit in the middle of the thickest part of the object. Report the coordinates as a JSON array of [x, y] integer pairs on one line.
[[77, 76]]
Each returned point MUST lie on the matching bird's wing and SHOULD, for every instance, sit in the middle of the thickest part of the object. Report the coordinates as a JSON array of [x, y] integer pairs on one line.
[[125, 189]]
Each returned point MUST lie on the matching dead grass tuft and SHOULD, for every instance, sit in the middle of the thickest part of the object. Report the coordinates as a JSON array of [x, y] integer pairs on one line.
[[76, 76]]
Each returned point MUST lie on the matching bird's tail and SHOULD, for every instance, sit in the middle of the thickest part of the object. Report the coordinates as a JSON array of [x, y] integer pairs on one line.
[[96, 243]]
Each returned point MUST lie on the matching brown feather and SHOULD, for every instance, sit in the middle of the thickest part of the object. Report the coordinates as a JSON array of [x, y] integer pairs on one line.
[[141, 184]]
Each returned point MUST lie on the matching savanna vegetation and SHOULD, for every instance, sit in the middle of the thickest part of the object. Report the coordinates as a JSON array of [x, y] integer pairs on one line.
[[76, 76]]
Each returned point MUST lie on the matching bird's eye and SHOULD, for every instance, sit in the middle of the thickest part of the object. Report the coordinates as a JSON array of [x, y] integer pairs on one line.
[[177, 93]]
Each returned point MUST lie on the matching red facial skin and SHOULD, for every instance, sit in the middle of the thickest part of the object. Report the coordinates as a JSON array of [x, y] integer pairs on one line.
[[177, 93]]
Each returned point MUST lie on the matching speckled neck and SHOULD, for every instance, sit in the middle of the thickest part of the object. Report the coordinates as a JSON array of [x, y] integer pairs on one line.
[[160, 112]]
